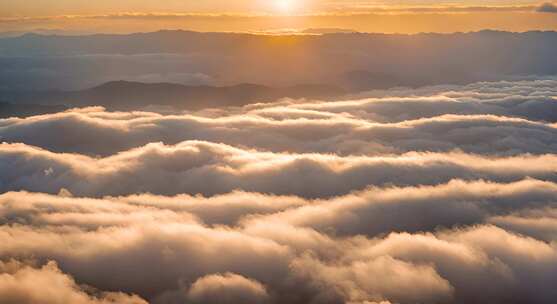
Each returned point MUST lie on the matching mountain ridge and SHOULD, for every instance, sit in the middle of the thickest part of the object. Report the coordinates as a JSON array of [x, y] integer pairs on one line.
[[126, 95]]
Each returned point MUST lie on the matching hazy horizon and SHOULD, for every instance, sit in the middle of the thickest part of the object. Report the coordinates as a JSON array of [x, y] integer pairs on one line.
[[38, 63], [280, 15]]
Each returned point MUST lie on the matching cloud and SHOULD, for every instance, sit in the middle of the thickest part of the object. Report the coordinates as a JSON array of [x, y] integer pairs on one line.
[[206, 168], [525, 99], [371, 212], [20, 283], [452, 200], [102, 133], [228, 288], [375, 280], [138, 244], [547, 7], [538, 223], [505, 118], [149, 259], [376, 211]]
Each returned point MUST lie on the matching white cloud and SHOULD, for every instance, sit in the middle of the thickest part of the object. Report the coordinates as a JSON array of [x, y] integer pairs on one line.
[[359, 201], [24, 284], [202, 167]]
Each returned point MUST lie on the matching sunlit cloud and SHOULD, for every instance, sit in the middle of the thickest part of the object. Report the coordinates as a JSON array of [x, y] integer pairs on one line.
[[288, 254]]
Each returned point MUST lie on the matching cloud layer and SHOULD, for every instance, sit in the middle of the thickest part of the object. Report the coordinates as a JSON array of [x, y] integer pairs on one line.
[[501, 118], [206, 168], [344, 249], [432, 195]]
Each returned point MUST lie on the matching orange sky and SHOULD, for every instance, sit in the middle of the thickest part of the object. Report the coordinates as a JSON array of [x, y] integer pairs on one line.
[[275, 15]]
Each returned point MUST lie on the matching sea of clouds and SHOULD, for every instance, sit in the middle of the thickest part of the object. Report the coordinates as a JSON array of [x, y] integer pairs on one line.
[[443, 194]]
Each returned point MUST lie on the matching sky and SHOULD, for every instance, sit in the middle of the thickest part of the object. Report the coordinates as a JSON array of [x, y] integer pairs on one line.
[[276, 15]]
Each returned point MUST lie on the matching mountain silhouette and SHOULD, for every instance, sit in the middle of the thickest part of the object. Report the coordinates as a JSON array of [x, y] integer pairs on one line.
[[126, 95]]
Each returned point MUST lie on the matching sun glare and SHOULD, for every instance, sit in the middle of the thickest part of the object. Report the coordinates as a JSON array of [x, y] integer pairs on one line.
[[284, 6]]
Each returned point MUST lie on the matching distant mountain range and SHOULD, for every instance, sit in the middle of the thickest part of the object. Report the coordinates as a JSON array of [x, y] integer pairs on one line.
[[354, 61], [23, 110], [125, 95]]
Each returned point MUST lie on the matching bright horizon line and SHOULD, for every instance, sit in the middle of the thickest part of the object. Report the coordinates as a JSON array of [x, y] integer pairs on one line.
[[414, 19], [286, 32], [378, 10]]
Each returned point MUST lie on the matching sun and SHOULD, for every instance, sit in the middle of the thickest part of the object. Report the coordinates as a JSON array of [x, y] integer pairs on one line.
[[284, 6]]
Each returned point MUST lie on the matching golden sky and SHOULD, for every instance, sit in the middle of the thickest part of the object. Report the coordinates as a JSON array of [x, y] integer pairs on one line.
[[406, 16]]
